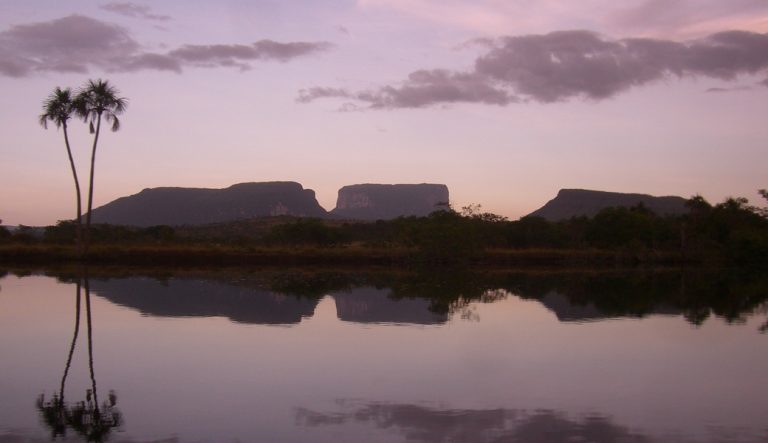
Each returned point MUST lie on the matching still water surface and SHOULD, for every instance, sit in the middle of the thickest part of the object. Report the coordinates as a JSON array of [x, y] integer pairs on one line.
[[328, 357]]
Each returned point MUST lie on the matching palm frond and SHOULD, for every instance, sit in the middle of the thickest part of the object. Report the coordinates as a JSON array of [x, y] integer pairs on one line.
[[115, 123], [97, 97], [57, 108]]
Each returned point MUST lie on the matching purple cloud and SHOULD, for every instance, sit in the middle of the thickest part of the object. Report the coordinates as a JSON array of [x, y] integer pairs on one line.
[[68, 44], [78, 44], [233, 55], [148, 61], [568, 64], [423, 88], [133, 10]]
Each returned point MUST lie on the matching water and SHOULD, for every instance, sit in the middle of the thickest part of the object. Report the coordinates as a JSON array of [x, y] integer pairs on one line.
[[229, 355]]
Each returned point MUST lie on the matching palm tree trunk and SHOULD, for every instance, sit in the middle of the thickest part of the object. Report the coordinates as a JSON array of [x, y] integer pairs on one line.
[[79, 226], [72, 346], [90, 342], [90, 187]]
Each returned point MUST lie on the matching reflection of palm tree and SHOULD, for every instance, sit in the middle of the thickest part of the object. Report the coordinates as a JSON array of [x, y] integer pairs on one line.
[[74, 341], [90, 342], [92, 421]]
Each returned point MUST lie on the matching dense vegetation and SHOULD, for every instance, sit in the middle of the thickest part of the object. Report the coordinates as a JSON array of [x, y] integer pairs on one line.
[[731, 231]]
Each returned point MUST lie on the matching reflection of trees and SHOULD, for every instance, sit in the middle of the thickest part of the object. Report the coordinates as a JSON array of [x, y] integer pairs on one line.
[[449, 291], [88, 418], [695, 293], [426, 424]]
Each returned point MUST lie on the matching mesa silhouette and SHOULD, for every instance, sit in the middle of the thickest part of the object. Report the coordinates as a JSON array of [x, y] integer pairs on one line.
[[582, 202], [385, 202], [197, 206]]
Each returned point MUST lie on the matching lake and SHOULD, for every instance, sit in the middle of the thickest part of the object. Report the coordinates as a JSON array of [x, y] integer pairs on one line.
[[383, 356]]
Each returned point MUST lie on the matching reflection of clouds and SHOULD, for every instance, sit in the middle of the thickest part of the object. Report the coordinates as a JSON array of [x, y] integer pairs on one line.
[[427, 424], [22, 436]]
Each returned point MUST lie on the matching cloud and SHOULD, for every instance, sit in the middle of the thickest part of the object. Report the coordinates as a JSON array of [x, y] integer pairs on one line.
[[423, 88], [566, 65], [133, 10], [79, 44], [67, 44], [735, 88], [234, 55], [148, 61]]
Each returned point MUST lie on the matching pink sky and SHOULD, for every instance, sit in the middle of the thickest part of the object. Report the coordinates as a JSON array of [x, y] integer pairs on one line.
[[503, 101]]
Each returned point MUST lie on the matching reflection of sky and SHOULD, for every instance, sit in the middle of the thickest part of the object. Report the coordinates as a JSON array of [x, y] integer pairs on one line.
[[215, 127], [212, 378]]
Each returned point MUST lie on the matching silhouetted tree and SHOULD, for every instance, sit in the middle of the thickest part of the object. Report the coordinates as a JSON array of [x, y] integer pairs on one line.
[[763, 211], [5, 234], [98, 100], [58, 108]]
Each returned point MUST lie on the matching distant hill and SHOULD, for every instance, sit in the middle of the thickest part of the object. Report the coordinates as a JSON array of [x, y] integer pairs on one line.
[[194, 206], [581, 202], [384, 202]]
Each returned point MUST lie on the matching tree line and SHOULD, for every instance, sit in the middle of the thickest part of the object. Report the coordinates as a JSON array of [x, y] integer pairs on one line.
[[732, 231]]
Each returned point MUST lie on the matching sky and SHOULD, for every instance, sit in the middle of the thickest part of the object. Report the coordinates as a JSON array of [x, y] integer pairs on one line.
[[504, 101]]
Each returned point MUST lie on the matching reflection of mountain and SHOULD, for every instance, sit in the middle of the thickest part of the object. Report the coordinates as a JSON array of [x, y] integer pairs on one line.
[[565, 310], [431, 298], [371, 305], [425, 424], [252, 304], [205, 298]]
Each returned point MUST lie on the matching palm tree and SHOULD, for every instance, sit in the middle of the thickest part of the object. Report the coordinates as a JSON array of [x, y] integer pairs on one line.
[[58, 109], [96, 100]]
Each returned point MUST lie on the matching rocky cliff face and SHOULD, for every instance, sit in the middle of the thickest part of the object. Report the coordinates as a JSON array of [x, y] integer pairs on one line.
[[193, 206], [384, 202], [581, 202]]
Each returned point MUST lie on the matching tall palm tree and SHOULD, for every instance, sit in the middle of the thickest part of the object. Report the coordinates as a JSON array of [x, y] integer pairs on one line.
[[58, 108], [95, 101]]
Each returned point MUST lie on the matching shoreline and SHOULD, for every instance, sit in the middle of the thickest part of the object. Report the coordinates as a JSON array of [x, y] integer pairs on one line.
[[344, 256]]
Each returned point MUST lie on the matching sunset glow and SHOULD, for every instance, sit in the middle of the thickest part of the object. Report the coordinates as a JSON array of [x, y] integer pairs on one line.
[[505, 102]]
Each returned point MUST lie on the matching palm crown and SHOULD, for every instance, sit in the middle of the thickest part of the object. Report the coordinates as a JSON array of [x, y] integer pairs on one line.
[[99, 99], [58, 108]]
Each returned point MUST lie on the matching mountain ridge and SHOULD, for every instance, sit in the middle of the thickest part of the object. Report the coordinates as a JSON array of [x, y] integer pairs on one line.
[[573, 202]]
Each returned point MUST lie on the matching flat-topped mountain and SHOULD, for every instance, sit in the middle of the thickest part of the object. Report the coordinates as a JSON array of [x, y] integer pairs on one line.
[[193, 206], [384, 202], [581, 202]]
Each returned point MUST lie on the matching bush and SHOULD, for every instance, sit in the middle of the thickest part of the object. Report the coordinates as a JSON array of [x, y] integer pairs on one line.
[[5, 234], [309, 231]]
